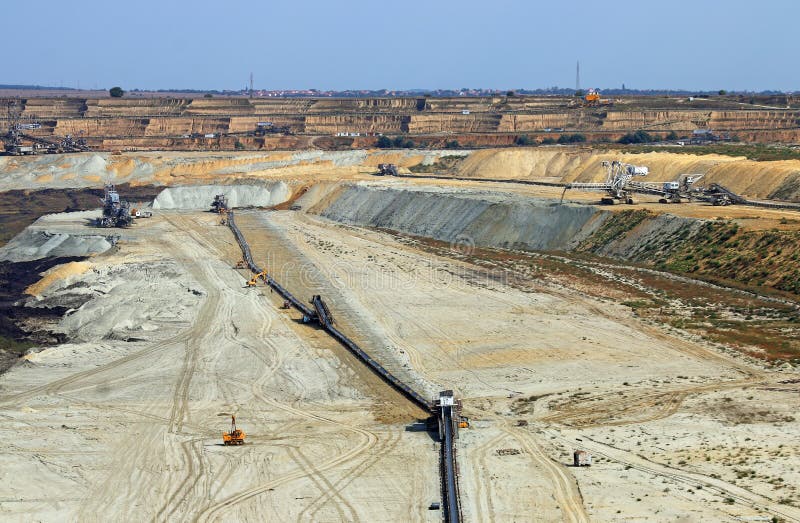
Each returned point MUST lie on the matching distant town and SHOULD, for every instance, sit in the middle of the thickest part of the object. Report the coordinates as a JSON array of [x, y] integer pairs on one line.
[[379, 93]]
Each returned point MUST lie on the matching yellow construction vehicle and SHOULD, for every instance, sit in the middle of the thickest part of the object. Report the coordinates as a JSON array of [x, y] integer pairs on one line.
[[592, 99], [254, 280], [235, 436]]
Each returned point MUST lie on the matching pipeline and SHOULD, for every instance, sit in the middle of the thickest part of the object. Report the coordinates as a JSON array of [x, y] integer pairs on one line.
[[450, 498]]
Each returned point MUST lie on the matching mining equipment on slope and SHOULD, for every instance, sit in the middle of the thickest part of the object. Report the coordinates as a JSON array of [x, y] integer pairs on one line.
[[387, 169], [446, 410], [621, 185], [254, 280], [116, 212], [720, 195], [265, 128], [592, 99], [616, 186], [685, 189], [235, 436], [220, 204], [17, 142]]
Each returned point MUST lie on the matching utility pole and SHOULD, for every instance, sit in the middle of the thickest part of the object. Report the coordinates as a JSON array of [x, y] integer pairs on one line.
[[578, 76], [251, 85]]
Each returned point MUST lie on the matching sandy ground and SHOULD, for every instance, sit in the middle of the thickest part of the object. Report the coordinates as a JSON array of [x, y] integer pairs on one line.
[[125, 423], [503, 348], [131, 430]]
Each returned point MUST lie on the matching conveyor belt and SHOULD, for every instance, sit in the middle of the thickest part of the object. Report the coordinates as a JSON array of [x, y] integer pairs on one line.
[[452, 510], [325, 319], [494, 180], [248, 258], [450, 498]]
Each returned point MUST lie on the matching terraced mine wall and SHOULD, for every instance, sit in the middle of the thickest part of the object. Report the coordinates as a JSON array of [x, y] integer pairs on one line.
[[711, 249], [180, 123], [752, 179]]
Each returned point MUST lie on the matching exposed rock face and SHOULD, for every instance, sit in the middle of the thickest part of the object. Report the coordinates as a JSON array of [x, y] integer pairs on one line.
[[184, 123], [34, 245], [171, 168], [716, 249], [480, 219]]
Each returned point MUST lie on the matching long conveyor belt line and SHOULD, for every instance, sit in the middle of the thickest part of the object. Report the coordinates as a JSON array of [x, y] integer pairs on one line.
[[452, 509], [248, 258], [325, 319], [634, 187], [452, 512]]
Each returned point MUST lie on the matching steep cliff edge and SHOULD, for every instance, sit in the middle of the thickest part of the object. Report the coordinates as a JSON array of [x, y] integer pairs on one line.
[[710, 249]]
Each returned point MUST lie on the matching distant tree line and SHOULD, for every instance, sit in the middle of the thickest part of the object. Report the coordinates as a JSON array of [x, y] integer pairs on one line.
[[384, 142]]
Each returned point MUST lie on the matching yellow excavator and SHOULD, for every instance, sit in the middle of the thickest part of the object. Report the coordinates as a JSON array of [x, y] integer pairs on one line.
[[235, 436], [254, 280]]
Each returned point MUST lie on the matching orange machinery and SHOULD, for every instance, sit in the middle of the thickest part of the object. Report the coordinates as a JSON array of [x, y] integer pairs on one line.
[[235, 436], [254, 280]]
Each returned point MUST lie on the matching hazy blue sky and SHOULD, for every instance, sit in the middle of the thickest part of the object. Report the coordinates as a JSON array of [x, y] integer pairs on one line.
[[692, 44]]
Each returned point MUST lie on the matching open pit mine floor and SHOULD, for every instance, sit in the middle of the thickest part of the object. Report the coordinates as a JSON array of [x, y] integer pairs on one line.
[[125, 422]]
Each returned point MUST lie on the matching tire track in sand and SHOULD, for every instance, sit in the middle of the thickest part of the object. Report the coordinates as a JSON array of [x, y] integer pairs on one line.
[[564, 488]]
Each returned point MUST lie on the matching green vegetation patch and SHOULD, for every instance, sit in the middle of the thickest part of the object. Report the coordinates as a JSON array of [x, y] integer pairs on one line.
[[445, 164], [617, 225]]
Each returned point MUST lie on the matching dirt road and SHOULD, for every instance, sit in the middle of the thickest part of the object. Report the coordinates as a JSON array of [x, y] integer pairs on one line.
[[125, 423], [501, 347], [126, 433]]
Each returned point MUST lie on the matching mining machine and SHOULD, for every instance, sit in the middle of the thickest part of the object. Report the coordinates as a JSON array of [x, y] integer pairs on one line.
[[621, 184], [387, 169], [254, 280], [616, 186], [17, 142], [235, 436], [116, 212], [220, 204]]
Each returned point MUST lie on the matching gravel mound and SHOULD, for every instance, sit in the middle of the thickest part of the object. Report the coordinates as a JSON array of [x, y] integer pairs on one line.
[[35, 244], [200, 197]]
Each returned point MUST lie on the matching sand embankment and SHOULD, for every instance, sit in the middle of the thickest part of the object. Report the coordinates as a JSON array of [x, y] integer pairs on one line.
[[199, 197], [473, 218], [778, 179], [187, 168]]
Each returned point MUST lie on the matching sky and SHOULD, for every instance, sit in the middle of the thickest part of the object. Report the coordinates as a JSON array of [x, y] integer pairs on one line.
[[359, 44]]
